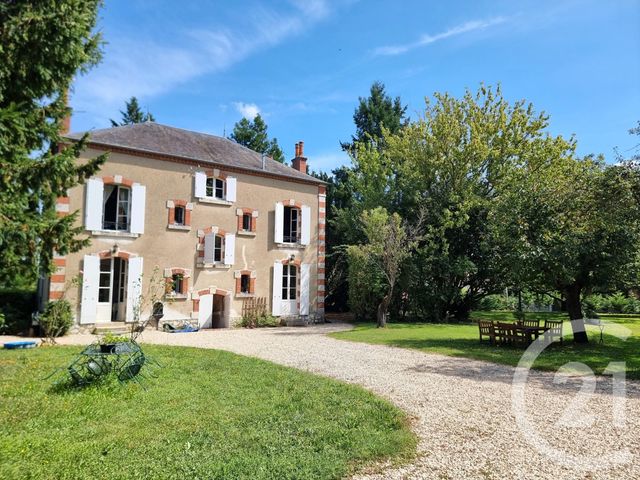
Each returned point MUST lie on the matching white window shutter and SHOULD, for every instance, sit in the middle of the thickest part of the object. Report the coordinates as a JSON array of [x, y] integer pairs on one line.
[[231, 189], [138, 201], [209, 244], [276, 298], [305, 235], [229, 249], [134, 289], [201, 184], [205, 311], [90, 281], [278, 225], [305, 270], [93, 204]]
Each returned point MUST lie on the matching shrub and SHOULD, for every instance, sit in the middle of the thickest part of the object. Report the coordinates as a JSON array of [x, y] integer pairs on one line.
[[57, 318], [17, 305], [3, 325], [258, 321]]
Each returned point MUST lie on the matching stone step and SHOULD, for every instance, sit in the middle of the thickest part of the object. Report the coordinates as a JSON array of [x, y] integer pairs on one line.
[[117, 328], [297, 321]]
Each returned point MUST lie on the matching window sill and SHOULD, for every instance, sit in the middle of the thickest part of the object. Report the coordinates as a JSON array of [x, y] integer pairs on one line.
[[245, 295], [214, 265], [291, 245], [245, 233], [176, 296], [215, 201], [172, 226], [114, 233]]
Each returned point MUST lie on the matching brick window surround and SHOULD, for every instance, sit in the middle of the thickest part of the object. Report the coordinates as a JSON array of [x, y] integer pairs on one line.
[[240, 213], [188, 207], [238, 274], [168, 277]]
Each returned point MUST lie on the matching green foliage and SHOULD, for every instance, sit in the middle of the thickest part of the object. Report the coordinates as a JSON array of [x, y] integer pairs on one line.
[[253, 134], [374, 114], [366, 284], [43, 46], [17, 305], [259, 321], [111, 338], [209, 415], [618, 302], [133, 114], [3, 323], [57, 319]]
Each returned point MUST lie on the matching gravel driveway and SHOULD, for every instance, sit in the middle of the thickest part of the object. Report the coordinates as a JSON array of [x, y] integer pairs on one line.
[[460, 409]]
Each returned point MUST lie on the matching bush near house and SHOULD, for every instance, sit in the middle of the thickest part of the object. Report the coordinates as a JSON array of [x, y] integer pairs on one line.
[[17, 305]]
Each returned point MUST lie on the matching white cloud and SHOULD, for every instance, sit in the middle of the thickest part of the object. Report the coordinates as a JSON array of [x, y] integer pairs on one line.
[[247, 110], [144, 68], [427, 39]]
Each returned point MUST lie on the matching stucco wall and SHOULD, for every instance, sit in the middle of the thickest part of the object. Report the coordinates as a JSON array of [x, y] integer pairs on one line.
[[165, 248]]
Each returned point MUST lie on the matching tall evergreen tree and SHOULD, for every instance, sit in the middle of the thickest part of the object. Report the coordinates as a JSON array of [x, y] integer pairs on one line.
[[133, 114], [253, 134], [374, 112], [43, 45]]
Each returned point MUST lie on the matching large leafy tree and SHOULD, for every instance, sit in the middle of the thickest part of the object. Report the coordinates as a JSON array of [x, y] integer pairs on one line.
[[132, 113], [253, 134], [571, 225], [42, 46]]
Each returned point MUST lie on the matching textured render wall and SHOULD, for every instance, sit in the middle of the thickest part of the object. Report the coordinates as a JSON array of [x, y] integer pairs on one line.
[[167, 248]]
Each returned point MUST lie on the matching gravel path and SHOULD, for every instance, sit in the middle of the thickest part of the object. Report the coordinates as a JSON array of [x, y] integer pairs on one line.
[[460, 409]]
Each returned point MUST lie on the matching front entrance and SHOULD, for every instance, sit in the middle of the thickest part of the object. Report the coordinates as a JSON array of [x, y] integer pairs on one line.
[[214, 310], [217, 318], [112, 290]]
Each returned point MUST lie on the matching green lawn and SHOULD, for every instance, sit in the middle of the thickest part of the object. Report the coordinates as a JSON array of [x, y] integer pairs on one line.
[[462, 341], [209, 415]]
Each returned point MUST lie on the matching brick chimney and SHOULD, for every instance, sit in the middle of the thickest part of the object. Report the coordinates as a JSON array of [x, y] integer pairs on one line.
[[65, 124], [300, 161]]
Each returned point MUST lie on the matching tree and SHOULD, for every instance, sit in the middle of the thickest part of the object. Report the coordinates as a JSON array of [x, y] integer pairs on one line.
[[43, 45], [374, 113], [133, 114], [389, 243], [253, 134], [571, 225]]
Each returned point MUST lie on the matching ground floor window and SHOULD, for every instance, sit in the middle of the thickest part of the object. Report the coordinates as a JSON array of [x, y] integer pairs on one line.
[[178, 283], [289, 282]]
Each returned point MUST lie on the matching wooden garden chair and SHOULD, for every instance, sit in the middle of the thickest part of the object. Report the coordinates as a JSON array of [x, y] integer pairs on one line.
[[553, 331], [486, 329]]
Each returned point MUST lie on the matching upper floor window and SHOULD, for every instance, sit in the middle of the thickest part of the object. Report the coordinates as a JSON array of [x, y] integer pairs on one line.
[[114, 204], [116, 200], [215, 188], [292, 223], [178, 215], [218, 247]]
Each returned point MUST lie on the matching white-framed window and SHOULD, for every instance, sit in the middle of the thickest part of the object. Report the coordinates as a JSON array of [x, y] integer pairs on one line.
[[289, 282], [219, 249], [292, 224], [114, 207], [216, 188]]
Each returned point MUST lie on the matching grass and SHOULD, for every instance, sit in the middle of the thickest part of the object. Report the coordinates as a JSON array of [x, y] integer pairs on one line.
[[209, 415], [461, 340]]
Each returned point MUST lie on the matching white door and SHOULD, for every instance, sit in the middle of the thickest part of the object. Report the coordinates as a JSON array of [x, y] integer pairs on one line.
[[289, 302], [105, 291], [205, 312], [112, 291]]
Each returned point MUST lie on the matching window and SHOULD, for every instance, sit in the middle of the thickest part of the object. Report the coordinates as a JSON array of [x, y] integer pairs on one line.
[[245, 283], [289, 282], [217, 249], [246, 222], [215, 188], [178, 216], [116, 201], [178, 284], [104, 287], [291, 223]]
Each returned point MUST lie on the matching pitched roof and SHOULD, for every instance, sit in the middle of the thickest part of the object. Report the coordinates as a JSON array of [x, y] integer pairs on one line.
[[151, 137]]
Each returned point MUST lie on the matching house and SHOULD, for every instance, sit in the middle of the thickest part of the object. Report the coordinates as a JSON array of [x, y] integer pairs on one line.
[[218, 223]]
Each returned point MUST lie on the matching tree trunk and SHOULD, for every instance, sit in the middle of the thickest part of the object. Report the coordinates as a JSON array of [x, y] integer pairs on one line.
[[574, 308], [382, 311]]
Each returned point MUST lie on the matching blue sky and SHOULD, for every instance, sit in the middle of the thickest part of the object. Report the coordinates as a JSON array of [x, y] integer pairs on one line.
[[202, 65]]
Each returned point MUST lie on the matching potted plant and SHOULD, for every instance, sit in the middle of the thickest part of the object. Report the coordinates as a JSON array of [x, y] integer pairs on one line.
[[109, 342]]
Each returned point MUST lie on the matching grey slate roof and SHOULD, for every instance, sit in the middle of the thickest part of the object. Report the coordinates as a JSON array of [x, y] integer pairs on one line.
[[151, 137]]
